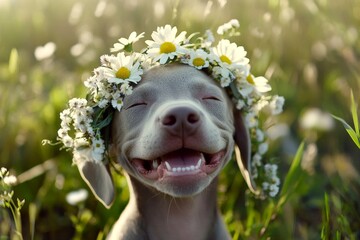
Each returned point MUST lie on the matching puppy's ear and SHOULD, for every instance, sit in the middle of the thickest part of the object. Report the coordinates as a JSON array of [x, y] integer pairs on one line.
[[97, 177], [243, 150]]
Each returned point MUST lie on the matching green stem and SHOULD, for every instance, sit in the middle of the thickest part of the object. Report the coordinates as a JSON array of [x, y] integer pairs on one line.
[[17, 219]]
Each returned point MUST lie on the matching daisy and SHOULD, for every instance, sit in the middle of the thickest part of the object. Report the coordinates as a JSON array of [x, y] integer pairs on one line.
[[165, 44], [122, 69], [198, 59], [251, 84], [117, 103], [125, 43], [229, 54], [259, 83], [98, 149]]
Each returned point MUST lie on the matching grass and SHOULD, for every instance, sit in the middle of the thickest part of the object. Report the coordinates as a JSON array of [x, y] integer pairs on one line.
[[308, 49]]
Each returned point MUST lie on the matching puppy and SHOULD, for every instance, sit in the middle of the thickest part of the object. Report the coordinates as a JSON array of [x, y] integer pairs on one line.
[[175, 133]]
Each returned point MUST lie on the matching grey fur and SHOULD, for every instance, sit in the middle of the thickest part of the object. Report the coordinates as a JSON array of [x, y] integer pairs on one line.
[[173, 107]]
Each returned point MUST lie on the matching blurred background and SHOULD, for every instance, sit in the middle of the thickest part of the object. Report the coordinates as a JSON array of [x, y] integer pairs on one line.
[[309, 49]]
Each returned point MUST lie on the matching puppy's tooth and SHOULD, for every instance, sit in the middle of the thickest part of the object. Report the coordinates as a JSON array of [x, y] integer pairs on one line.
[[198, 163], [188, 168], [174, 169], [192, 167], [155, 164], [168, 167], [179, 169]]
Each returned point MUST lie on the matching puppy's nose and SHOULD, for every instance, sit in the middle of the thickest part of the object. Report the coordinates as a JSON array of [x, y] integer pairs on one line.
[[181, 119]]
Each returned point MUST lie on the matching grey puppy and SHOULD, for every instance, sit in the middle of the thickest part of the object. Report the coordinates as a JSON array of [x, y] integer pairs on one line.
[[175, 133]]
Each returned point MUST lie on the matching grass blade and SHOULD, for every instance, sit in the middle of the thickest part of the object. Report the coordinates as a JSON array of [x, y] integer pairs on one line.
[[355, 137], [326, 219], [354, 114], [293, 176], [13, 61]]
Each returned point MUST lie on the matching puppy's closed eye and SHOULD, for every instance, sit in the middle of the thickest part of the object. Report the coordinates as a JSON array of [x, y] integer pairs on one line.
[[211, 98], [137, 105]]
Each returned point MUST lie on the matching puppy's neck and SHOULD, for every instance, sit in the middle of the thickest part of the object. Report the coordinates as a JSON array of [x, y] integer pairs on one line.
[[164, 217]]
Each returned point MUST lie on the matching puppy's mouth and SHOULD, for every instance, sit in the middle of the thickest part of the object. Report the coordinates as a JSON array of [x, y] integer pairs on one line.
[[179, 163]]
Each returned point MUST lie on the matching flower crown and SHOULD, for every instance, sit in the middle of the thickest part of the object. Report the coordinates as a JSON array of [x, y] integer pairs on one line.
[[82, 123]]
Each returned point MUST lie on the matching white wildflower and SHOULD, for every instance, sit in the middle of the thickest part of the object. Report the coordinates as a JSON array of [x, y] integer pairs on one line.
[[76, 197], [62, 133], [256, 160], [263, 147], [260, 104], [81, 142], [68, 141], [124, 42], [273, 190], [251, 120], [209, 38], [3, 171], [126, 89], [234, 23], [77, 102], [103, 103], [273, 182], [260, 136], [10, 180], [240, 104], [224, 75], [277, 104]]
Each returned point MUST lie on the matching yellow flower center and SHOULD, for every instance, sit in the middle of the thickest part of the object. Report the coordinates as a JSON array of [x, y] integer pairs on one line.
[[123, 73], [167, 47], [225, 59], [198, 62], [250, 79]]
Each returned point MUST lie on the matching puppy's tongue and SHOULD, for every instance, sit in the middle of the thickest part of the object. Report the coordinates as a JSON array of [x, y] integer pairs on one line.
[[182, 158]]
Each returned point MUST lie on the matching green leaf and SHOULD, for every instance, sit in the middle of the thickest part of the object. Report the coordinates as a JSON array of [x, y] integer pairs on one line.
[[293, 177], [355, 137], [104, 122], [128, 48], [354, 114]]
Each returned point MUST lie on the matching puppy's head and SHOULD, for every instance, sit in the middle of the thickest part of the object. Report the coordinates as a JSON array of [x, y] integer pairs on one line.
[[175, 133]]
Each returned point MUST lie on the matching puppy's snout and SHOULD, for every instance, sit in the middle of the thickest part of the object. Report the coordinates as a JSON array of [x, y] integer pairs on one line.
[[181, 119]]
